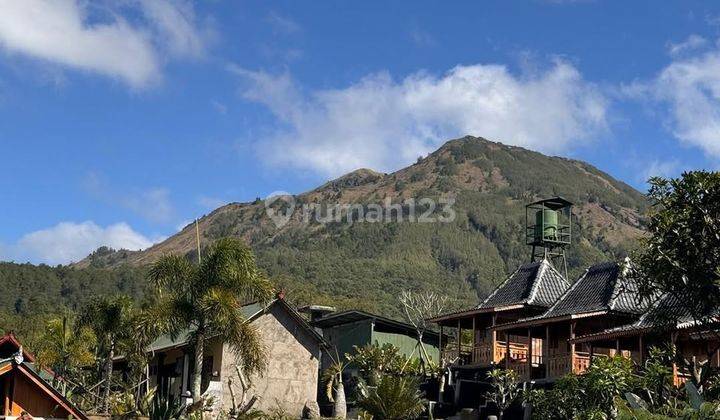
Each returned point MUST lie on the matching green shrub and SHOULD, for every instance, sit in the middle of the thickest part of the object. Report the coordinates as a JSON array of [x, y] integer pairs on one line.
[[394, 398]]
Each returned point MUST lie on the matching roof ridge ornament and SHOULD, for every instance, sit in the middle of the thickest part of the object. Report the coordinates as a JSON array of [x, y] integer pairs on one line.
[[18, 357]]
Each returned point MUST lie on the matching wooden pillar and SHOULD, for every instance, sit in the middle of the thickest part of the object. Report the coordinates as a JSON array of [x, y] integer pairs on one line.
[[546, 351], [673, 339], [507, 349], [617, 347], [459, 341], [572, 347], [529, 353], [493, 339], [6, 393], [592, 352], [474, 341], [641, 349], [440, 349]]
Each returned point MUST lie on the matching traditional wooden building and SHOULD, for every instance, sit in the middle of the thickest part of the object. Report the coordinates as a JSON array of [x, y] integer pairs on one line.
[[24, 388], [602, 298], [665, 324], [528, 291]]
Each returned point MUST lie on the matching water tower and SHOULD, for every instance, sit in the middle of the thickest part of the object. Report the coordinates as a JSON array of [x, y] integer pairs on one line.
[[548, 229]]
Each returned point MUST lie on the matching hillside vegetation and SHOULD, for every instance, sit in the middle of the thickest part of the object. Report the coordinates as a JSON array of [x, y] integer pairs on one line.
[[366, 265]]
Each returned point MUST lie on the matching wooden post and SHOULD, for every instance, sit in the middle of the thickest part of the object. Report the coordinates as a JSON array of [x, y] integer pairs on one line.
[[440, 349], [673, 339], [507, 349], [592, 352], [6, 392], [474, 341], [459, 340], [641, 349], [493, 339], [529, 353], [572, 348], [617, 347], [546, 350]]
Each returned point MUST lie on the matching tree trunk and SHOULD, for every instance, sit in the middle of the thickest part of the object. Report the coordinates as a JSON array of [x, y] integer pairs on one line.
[[108, 378], [441, 384], [197, 368], [340, 409]]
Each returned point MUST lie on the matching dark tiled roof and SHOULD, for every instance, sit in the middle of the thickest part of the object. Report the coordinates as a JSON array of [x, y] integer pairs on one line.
[[603, 287], [536, 283], [666, 313]]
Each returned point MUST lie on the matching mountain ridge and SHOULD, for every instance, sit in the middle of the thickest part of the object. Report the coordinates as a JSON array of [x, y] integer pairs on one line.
[[490, 183]]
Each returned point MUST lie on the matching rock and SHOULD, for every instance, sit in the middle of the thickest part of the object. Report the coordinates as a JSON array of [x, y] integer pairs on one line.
[[311, 410]]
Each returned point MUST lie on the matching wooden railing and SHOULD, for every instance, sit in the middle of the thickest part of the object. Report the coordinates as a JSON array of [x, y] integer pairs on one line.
[[463, 357], [581, 362], [517, 351], [521, 368], [680, 377], [484, 355], [559, 364]]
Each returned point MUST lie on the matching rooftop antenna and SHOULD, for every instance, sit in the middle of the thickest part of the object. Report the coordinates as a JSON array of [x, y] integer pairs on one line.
[[197, 237], [548, 229]]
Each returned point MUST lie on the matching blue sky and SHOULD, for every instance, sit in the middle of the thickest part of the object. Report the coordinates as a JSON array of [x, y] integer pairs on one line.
[[122, 120]]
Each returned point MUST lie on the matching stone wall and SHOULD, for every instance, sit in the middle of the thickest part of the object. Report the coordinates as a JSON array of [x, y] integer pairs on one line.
[[291, 378]]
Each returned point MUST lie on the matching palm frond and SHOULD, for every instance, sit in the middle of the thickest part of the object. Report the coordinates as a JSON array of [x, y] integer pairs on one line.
[[173, 272]]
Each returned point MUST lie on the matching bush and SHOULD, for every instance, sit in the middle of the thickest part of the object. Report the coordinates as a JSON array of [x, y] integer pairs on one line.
[[394, 398]]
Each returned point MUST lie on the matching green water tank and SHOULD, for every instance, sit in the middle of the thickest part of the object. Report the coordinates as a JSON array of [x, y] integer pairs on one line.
[[546, 225]]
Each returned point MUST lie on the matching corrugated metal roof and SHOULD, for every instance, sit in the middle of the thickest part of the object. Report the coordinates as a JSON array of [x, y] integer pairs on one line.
[[536, 283], [166, 341]]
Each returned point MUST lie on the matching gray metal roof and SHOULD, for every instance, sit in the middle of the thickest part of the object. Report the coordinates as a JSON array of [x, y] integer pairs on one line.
[[249, 312], [536, 283]]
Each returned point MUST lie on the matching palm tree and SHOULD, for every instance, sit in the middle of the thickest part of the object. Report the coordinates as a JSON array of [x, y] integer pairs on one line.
[[65, 349], [208, 298], [111, 319]]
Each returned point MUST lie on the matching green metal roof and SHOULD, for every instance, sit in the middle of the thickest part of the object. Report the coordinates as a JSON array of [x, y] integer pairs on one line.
[[166, 341]]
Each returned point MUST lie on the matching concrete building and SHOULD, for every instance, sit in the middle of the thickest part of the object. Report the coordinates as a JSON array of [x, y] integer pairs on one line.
[[290, 381]]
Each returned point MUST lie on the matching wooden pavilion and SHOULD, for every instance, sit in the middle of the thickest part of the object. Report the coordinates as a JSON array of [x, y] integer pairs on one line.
[[602, 298], [529, 291], [664, 324]]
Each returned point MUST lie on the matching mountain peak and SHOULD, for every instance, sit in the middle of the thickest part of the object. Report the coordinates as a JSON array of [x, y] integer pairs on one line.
[[331, 259]]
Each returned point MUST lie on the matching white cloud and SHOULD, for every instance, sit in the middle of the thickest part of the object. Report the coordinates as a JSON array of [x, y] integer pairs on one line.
[[283, 23], [692, 42], [174, 24], [383, 124], [665, 169], [69, 33], [690, 88], [68, 241]]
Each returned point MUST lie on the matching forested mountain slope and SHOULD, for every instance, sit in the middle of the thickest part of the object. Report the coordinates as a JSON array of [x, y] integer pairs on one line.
[[365, 265]]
